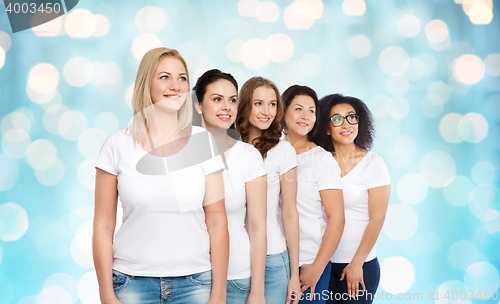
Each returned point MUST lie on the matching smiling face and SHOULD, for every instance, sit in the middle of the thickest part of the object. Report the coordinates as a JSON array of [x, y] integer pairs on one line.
[[300, 116], [264, 108], [346, 133], [219, 106], [169, 85]]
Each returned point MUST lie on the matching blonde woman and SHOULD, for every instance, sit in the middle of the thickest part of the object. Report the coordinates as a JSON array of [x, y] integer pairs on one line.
[[173, 242], [244, 185], [259, 122]]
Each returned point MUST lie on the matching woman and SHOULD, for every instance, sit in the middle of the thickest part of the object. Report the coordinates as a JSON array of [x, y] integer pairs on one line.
[[345, 127], [259, 122], [173, 243], [318, 193], [244, 186]]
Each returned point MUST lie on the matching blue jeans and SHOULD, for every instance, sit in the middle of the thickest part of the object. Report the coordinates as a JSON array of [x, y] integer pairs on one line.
[[277, 277], [191, 289], [320, 295], [338, 289], [238, 291]]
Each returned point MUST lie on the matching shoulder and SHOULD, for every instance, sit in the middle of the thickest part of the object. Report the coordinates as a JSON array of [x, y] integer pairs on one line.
[[375, 161], [284, 146], [119, 137]]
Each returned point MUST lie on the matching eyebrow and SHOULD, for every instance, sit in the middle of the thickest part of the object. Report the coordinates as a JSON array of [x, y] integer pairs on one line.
[[223, 95], [311, 107], [256, 99], [168, 73], [347, 113]]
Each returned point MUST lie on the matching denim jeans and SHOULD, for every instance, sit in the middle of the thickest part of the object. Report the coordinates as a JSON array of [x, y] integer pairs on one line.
[[238, 291], [338, 289], [320, 295], [277, 277], [191, 289]]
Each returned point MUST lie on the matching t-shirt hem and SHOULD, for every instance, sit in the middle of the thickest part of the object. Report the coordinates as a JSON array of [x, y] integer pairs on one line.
[[105, 168], [377, 185], [245, 275], [162, 274]]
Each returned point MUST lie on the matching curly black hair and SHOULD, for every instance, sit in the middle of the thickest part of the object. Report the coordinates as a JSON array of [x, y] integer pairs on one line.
[[366, 131]]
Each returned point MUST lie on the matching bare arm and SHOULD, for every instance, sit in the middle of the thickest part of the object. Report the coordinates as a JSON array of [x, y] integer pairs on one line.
[[256, 191], [378, 201], [216, 221], [333, 204], [290, 218], [106, 199]]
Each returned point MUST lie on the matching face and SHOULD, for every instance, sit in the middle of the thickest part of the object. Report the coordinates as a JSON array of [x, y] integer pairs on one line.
[[346, 133], [300, 116], [264, 108], [219, 106], [169, 85]]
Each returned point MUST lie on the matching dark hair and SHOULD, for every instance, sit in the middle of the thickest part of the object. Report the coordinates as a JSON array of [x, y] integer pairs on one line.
[[366, 132], [270, 137], [294, 91], [200, 88]]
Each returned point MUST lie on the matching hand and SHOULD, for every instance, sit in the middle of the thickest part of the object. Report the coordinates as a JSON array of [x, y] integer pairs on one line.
[[293, 289], [256, 298], [309, 277], [112, 300], [218, 300], [354, 277]]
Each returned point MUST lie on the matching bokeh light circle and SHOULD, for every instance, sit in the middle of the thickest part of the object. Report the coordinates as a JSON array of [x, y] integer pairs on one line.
[[150, 19], [446, 292], [402, 151], [409, 25], [80, 23], [415, 246], [233, 50], [107, 122], [462, 254], [483, 198], [354, 7], [286, 74], [360, 46], [440, 90], [43, 78], [86, 173], [15, 143], [52, 175], [416, 69], [144, 43], [431, 107], [482, 276], [72, 124], [473, 127], [15, 120], [103, 25], [51, 117], [55, 295], [300, 15], [492, 64], [430, 63], [48, 29], [281, 47], [5, 41], [88, 288], [9, 173], [90, 142], [13, 222], [448, 128], [64, 280], [458, 191], [438, 168], [42, 154], [436, 31], [468, 69], [480, 13], [398, 107], [483, 172], [394, 60], [2, 57], [397, 85], [401, 222], [411, 188], [78, 71], [310, 65], [255, 54], [248, 8], [267, 11], [397, 274]]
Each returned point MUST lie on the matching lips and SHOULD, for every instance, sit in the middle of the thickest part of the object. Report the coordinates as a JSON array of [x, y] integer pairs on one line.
[[264, 120], [346, 133], [224, 117], [172, 96], [303, 124]]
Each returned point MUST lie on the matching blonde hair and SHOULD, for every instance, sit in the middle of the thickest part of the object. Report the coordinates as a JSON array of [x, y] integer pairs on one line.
[[141, 98]]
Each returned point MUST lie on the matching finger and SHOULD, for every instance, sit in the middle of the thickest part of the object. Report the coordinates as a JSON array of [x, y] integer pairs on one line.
[[342, 275], [312, 292], [289, 298], [355, 289], [363, 284], [297, 297], [349, 288], [304, 288]]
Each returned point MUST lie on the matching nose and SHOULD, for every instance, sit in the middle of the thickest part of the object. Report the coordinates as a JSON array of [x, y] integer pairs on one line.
[[226, 105], [174, 85]]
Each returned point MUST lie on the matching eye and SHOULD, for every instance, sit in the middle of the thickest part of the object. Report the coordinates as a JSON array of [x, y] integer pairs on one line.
[[217, 99], [164, 77], [311, 111], [272, 104], [336, 118], [233, 100], [298, 109], [183, 78], [258, 103]]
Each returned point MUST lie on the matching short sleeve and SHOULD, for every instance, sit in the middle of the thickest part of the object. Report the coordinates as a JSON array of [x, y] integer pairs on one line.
[[256, 167], [215, 163], [379, 174], [288, 157], [107, 158], [330, 173]]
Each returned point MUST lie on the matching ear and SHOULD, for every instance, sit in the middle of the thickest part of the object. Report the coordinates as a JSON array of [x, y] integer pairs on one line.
[[197, 106], [328, 132]]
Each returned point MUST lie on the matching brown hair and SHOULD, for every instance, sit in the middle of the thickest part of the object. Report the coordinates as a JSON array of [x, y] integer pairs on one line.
[[270, 137]]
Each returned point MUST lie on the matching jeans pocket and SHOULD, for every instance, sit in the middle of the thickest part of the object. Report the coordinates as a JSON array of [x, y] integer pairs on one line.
[[202, 279], [274, 262], [120, 281], [241, 285]]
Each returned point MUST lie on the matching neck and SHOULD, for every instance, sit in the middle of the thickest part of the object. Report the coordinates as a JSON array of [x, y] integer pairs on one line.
[[223, 140], [299, 142], [165, 127], [345, 151]]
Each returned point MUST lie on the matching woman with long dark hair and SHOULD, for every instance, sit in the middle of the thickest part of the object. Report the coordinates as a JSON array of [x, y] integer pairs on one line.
[[345, 128], [259, 122]]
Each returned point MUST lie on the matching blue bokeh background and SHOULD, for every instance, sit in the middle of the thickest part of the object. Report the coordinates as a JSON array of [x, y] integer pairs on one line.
[[427, 70]]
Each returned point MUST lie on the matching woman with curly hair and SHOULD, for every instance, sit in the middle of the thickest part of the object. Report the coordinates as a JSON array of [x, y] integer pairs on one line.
[[345, 128], [259, 122]]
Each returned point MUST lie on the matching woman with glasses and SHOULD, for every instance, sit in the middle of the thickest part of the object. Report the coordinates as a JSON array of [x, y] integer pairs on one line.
[[345, 127], [318, 192]]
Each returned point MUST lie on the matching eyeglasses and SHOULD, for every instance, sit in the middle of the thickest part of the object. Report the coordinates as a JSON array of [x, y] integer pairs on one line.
[[338, 120]]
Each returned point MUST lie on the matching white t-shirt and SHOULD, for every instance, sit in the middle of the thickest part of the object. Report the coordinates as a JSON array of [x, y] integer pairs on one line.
[[163, 231], [244, 164], [317, 171], [370, 172], [280, 159]]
